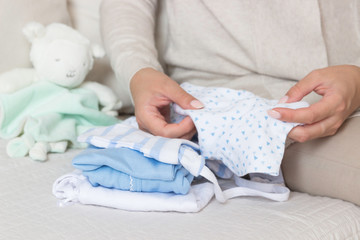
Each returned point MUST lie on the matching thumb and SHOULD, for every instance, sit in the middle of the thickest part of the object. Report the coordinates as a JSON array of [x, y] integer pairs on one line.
[[184, 99], [300, 90]]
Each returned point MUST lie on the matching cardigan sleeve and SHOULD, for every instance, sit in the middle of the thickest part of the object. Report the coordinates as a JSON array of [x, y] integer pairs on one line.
[[128, 31]]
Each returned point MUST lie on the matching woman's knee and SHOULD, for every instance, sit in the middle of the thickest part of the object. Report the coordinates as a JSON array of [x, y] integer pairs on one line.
[[327, 166]]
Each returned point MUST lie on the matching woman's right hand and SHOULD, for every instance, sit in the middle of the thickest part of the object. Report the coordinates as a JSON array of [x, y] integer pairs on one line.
[[152, 93]]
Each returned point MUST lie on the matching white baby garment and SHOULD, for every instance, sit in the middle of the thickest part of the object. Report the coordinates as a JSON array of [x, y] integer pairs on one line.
[[75, 188], [234, 127]]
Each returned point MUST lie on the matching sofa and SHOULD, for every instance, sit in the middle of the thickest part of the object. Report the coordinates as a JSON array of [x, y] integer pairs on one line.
[[28, 209]]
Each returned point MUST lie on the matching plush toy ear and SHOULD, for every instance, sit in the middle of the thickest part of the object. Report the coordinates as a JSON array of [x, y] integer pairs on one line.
[[33, 30], [97, 51]]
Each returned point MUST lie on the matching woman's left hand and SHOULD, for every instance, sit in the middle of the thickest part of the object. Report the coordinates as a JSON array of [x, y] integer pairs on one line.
[[339, 87]]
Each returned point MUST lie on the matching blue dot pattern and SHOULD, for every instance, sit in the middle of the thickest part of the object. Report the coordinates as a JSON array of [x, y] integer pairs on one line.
[[234, 127]]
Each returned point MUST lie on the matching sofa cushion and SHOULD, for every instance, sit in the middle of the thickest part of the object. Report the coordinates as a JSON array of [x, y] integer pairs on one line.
[[85, 18], [14, 15]]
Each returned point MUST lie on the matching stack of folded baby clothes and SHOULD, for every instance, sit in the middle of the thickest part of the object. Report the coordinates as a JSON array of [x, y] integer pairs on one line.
[[130, 169], [123, 177]]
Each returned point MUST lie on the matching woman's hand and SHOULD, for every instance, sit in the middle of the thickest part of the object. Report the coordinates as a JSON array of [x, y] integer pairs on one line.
[[153, 92], [340, 88]]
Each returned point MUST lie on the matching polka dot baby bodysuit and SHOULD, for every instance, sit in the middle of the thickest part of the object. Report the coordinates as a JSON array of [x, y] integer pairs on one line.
[[234, 127]]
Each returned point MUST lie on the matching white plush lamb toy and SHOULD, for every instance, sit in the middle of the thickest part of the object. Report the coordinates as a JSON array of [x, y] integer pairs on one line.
[[62, 56]]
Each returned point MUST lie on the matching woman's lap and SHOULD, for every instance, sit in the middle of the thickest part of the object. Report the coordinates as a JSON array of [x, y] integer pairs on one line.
[[327, 166]]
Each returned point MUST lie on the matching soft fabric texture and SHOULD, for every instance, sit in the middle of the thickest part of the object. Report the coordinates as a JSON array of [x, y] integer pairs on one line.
[[60, 55], [328, 166], [166, 150], [127, 169], [30, 211], [14, 15], [259, 46], [68, 53], [85, 18], [178, 151], [50, 113], [265, 55], [73, 188], [234, 127], [287, 41]]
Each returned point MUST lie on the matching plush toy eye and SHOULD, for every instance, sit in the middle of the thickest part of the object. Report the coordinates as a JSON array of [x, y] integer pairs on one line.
[[57, 59]]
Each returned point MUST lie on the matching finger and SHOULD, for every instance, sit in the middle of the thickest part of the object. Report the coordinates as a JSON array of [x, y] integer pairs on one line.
[[316, 112], [184, 129], [303, 87], [323, 128], [190, 135], [182, 98], [160, 127]]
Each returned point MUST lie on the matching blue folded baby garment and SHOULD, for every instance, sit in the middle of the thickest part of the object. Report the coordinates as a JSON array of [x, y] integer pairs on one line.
[[128, 169]]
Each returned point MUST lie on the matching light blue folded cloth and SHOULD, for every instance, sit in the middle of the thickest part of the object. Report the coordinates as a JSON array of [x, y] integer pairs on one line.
[[127, 169]]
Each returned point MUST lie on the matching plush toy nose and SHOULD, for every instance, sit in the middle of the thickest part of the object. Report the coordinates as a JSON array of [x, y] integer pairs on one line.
[[71, 73]]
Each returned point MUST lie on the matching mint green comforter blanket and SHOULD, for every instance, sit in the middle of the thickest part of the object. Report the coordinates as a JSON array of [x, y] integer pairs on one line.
[[50, 113]]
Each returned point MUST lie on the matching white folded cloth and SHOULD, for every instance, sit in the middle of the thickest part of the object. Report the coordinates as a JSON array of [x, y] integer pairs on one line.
[[75, 188]]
